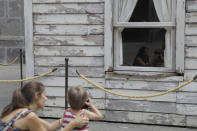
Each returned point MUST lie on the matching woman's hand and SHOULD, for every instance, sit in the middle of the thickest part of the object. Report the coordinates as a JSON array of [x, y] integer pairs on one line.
[[80, 122], [77, 122]]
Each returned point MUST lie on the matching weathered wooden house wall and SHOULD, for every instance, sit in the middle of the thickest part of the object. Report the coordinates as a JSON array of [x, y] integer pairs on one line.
[[75, 29]]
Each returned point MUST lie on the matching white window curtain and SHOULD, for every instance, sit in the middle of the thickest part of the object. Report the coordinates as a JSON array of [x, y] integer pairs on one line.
[[125, 10], [164, 13]]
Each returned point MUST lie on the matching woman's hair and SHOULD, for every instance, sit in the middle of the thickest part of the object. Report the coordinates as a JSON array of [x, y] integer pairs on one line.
[[77, 96], [142, 55], [141, 51], [24, 96]]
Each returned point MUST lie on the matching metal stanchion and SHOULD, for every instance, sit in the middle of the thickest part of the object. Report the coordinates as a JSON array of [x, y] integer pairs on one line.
[[21, 65], [66, 82]]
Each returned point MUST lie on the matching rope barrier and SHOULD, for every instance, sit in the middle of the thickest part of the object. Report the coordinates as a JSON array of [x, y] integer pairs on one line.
[[135, 96], [12, 62], [35, 77]]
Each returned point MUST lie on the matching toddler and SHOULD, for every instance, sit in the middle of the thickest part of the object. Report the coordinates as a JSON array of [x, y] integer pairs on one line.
[[77, 98]]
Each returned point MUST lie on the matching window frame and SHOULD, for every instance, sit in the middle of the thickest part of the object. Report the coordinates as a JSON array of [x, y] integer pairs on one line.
[[112, 64], [28, 33]]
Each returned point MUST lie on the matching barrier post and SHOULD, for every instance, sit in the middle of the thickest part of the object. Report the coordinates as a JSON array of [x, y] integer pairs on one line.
[[66, 82], [21, 65]]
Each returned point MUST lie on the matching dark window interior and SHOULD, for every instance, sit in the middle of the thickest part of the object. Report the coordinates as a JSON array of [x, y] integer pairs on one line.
[[150, 39]]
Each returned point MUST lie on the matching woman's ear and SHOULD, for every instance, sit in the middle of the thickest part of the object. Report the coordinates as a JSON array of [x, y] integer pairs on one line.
[[36, 96]]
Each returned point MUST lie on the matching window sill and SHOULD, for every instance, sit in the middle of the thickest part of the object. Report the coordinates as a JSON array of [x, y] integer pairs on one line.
[[144, 69], [146, 76]]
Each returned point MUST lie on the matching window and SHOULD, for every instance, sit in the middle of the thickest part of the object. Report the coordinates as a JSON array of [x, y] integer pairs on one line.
[[144, 35]]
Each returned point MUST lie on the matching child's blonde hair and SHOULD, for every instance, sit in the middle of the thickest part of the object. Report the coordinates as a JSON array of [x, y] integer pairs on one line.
[[77, 97]]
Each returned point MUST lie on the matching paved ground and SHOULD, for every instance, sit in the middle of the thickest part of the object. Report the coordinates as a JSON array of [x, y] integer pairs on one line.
[[13, 72], [108, 126], [105, 126]]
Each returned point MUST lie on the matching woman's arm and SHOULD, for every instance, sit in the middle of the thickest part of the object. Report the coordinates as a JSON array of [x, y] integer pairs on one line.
[[33, 123], [51, 126]]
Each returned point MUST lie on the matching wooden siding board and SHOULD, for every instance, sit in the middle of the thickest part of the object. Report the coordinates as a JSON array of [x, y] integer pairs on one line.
[[190, 52], [191, 121], [191, 6], [187, 109], [68, 29], [189, 88], [60, 92], [148, 118], [141, 106], [190, 63], [191, 41], [170, 97], [60, 81], [96, 93], [60, 102], [89, 40], [69, 51], [146, 86], [52, 112], [55, 101], [191, 29], [92, 19], [73, 61], [86, 71], [191, 17], [72, 8], [189, 74], [55, 91], [186, 98], [140, 85]]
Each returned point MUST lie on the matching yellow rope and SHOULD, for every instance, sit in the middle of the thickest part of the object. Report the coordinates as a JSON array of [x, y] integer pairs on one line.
[[12, 62], [35, 77], [139, 96]]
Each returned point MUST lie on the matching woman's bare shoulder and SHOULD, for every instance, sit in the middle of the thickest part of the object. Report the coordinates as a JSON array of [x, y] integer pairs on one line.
[[33, 122], [32, 116], [24, 121]]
